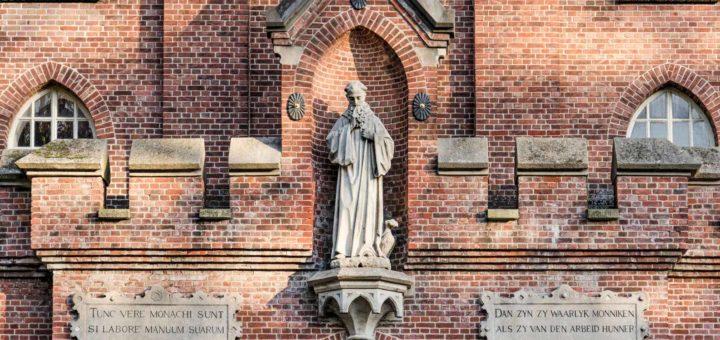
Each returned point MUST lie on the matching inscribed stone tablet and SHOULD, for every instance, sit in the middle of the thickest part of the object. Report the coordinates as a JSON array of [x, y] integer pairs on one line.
[[155, 315], [564, 314]]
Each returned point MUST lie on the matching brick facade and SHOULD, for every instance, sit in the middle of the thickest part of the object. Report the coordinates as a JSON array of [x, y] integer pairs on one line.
[[154, 69]]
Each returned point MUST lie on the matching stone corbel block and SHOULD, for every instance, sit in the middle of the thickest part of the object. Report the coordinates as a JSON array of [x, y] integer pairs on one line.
[[603, 214], [551, 156], [255, 156], [709, 171], [503, 215], [284, 15], [68, 158], [167, 157], [289, 55], [106, 214], [436, 14], [10, 174], [361, 297], [652, 157], [430, 56], [465, 156]]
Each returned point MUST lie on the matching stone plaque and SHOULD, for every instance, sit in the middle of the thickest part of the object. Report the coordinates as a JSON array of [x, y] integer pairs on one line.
[[564, 314], [155, 314]]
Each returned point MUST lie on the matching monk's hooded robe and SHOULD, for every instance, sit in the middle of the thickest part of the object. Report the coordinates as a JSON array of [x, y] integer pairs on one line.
[[358, 223]]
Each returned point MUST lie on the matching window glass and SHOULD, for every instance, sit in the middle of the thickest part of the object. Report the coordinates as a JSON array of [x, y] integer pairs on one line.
[[672, 115], [51, 114]]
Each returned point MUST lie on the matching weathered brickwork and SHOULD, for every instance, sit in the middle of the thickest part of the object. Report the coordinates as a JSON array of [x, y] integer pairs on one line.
[[180, 69], [25, 309]]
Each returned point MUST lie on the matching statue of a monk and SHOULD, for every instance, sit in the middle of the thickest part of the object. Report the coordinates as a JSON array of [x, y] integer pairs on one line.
[[363, 149]]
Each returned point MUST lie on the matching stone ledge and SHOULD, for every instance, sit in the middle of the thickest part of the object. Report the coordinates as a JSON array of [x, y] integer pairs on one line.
[[603, 214], [710, 160], [167, 157], [503, 215], [284, 15], [651, 156], [215, 214], [258, 156], [440, 18], [546, 156], [10, 174], [113, 214], [68, 158], [463, 156]]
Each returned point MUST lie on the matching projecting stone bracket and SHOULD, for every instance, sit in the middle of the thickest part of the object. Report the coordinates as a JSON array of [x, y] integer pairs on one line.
[[361, 297]]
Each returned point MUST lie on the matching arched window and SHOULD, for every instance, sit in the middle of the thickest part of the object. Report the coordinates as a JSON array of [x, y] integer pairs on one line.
[[672, 115], [53, 113]]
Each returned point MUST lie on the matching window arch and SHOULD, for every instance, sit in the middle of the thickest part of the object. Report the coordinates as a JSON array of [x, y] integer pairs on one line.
[[672, 115], [53, 113]]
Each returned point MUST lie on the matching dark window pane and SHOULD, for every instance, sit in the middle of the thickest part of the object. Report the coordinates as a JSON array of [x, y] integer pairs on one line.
[[66, 108], [42, 106], [24, 133], [84, 130], [42, 133], [64, 130]]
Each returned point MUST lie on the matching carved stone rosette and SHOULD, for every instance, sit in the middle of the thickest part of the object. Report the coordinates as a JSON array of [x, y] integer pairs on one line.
[[564, 314], [361, 297], [116, 316]]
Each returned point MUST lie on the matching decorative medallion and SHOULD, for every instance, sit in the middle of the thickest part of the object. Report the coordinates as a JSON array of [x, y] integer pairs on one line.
[[358, 4], [296, 106], [421, 106]]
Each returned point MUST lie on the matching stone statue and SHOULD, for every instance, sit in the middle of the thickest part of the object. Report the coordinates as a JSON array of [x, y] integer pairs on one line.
[[363, 149]]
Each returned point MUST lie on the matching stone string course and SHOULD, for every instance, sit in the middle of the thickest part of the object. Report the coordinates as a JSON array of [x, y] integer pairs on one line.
[[203, 69]]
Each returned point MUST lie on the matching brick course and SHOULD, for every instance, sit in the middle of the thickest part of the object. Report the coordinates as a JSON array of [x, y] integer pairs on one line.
[[151, 69]]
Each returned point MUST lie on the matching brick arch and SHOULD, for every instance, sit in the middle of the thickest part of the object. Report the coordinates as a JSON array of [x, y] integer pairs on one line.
[[661, 76], [372, 21], [34, 79]]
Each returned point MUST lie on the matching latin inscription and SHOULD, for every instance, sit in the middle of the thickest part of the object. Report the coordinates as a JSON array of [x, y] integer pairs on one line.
[[155, 315], [157, 322]]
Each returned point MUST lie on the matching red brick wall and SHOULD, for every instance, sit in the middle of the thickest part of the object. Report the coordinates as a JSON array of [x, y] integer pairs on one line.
[[14, 222], [653, 210], [704, 218], [694, 311], [205, 81], [110, 56], [25, 306], [550, 207], [542, 68], [64, 210], [580, 69]]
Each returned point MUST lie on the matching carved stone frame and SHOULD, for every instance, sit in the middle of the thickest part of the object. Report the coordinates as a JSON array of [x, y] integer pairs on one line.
[[563, 295], [155, 295]]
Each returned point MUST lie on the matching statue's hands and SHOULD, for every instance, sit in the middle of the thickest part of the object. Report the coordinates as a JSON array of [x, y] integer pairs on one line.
[[367, 133]]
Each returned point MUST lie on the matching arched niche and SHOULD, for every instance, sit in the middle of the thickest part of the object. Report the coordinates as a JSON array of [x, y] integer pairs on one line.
[[359, 54]]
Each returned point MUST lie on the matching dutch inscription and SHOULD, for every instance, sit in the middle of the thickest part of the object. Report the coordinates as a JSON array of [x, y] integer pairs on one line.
[[156, 315], [564, 315]]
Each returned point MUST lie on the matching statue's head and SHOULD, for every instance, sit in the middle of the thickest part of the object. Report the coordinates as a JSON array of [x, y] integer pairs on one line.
[[355, 93]]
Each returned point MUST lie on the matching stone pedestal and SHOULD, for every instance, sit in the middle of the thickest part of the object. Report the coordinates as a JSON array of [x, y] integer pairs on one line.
[[361, 297]]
